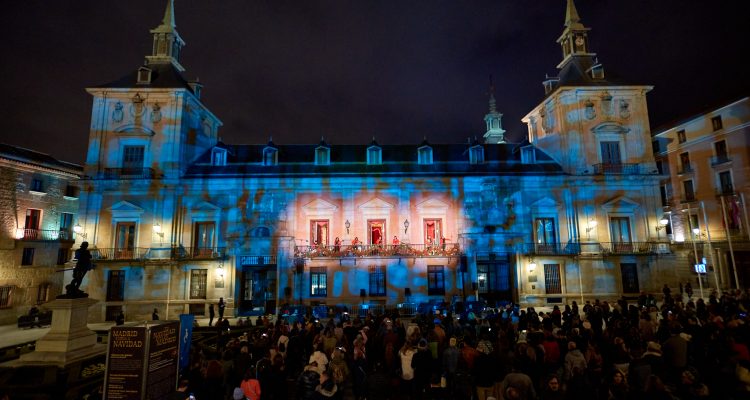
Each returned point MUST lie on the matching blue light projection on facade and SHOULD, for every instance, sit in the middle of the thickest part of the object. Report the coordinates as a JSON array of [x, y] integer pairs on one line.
[[258, 224]]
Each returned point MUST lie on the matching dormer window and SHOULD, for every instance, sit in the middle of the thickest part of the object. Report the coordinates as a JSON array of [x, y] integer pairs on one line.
[[425, 155], [270, 156], [322, 155], [219, 157], [476, 155], [374, 155], [528, 155], [597, 71], [144, 76]]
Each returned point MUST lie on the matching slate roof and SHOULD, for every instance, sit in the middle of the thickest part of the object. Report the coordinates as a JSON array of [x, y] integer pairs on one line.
[[21, 154], [351, 160], [163, 75]]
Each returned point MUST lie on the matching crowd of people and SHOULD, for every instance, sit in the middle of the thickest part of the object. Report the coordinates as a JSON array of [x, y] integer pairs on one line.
[[676, 348]]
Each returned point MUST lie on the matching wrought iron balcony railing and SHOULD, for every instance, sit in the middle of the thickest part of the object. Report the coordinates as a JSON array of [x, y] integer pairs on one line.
[[45, 235], [128, 173], [156, 253], [628, 247], [617, 169], [374, 250], [725, 190], [718, 160], [199, 253], [685, 169], [552, 249]]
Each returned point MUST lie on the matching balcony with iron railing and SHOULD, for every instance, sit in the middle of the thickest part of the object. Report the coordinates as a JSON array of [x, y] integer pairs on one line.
[[550, 249], [725, 190], [374, 250], [685, 168], [45, 235], [719, 160], [158, 253], [128, 173], [625, 248], [617, 169]]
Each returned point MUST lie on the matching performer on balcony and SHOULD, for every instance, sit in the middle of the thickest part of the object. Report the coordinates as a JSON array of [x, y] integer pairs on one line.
[[355, 243], [396, 242]]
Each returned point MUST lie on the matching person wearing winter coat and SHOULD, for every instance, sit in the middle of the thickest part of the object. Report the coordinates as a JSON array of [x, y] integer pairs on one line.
[[575, 362], [307, 382]]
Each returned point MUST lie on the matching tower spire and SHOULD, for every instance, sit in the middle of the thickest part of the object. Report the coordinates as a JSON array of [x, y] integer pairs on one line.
[[495, 133], [572, 20], [574, 38], [167, 42]]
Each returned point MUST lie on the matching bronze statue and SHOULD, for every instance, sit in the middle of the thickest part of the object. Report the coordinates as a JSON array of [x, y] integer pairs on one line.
[[83, 265]]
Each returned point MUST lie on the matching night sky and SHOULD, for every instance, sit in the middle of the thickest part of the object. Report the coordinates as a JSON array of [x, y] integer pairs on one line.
[[351, 70]]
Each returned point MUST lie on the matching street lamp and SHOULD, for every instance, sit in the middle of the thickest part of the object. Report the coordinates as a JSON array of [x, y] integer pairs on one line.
[[78, 229], [157, 230]]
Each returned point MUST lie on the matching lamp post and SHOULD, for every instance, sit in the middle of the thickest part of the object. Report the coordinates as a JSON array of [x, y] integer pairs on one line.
[[695, 231], [78, 229], [663, 222]]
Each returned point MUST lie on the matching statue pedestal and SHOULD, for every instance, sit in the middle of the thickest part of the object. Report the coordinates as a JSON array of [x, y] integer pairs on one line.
[[69, 339]]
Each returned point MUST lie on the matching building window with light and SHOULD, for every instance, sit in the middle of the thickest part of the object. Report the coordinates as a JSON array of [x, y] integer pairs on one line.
[[687, 187], [435, 280], [720, 148], [125, 240], [203, 239], [218, 157], [476, 155], [42, 294], [319, 232], [132, 158], [377, 280], [27, 258], [620, 234], [322, 156], [116, 286], [270, 156], [5, 296], [552, 281], [318, 282], [681, 137], [425, 155], [716, 123], [198, 282], [685, 166], [374, 155], [544, 234]]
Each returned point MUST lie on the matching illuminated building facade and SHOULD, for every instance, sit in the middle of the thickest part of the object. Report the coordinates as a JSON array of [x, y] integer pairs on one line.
[[179, 219], [705, 160], [38, 207]]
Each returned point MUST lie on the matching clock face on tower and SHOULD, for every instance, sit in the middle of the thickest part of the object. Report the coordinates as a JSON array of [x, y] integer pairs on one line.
[[579, 41]]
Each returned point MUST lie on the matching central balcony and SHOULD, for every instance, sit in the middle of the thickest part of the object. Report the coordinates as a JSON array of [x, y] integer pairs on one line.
[[374, 250]]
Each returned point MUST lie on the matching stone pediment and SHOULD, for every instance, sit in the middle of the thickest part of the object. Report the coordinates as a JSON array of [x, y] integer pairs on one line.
[[135, 130], [432, 204], [319, 206], [376, 204], [205, 206], [544, 202], [610, 127], [125, 206], [125, 209], [620, 204]]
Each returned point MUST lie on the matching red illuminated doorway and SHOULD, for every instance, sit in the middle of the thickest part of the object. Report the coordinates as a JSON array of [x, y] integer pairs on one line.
[[433, 231], [319, 232], [376, 231]]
